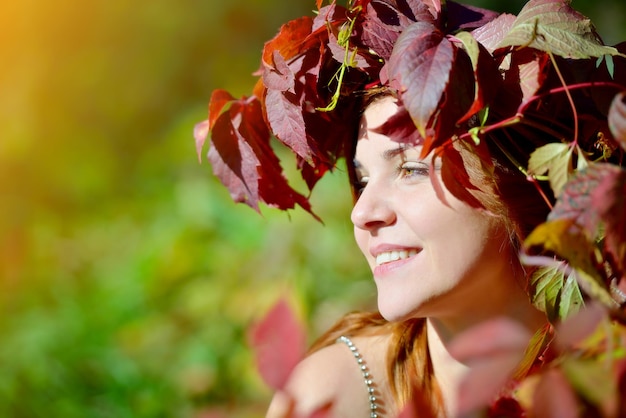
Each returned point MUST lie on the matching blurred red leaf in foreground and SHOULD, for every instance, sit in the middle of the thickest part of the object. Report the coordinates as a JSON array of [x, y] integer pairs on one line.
[[279, 344]]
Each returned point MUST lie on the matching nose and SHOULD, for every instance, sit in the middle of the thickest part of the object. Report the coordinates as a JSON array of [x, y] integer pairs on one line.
[[373, 208]]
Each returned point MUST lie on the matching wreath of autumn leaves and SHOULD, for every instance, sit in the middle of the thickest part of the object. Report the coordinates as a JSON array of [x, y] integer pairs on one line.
[[542, 84]]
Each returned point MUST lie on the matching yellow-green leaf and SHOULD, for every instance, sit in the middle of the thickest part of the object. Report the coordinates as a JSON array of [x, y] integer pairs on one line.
[[555, 159], [547, 283], [571, 299], [553, 26]]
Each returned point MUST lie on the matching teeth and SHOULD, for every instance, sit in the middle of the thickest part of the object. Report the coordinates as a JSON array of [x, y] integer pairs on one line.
[[388, 257]]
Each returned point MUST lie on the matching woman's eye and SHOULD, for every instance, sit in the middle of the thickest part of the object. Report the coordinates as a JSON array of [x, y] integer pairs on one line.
[[413, 169]]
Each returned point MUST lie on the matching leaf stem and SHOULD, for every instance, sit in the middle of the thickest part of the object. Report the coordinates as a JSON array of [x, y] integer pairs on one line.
[[523, 106], [343, 40], [568, 94]]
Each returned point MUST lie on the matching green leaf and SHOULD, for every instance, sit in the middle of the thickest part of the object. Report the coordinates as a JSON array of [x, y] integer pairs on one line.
[[555, 159], [592, 285], [470, 45], [547, 284], [563, 238], [559, 297], [553, 26], [571, 299], [535, 347]]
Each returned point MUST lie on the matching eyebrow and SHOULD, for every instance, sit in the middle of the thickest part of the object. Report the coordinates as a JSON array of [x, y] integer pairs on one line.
[[393, 152], [386, 155]]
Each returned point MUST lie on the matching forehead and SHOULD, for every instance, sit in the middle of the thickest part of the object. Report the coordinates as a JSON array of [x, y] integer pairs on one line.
[[375, 146], [376, 113]]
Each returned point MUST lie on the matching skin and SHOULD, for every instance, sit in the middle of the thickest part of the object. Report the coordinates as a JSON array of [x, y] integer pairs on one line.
[[458, 270], [459, 252], [331, 375]]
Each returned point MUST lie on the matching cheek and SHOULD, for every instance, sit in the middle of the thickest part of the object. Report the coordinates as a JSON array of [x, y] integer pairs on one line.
[[480, 240], [462, 233]]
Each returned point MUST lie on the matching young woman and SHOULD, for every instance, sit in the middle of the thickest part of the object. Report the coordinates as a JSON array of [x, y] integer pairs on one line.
[[454, 265], [469, 125]]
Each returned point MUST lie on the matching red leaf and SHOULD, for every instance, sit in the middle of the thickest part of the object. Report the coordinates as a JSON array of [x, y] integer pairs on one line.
[[457, 99], [580, 326], [279, 343], [357, 60], [381, 28], [506, 407], [553, 397], [455, 177], [530, 68], [487, 79], [419, 11], [491, 34], [233, 159], [200, 133], [289, 41], [219, 100], [284, 115], [419, 68], [400, 128], [243, 160], [575, 201], [279, 77], [331, 16], [383, 23], [617, 119], [492, 350], [597, 195], [609, 200]]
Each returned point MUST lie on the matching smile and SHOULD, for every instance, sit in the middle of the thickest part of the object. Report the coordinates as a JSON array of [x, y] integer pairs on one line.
[[390, 256]]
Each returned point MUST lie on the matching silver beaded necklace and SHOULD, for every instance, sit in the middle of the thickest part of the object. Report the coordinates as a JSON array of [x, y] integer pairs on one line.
[[367, 376]]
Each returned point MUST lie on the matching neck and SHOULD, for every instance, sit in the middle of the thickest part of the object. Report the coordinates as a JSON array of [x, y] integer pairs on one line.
[[513, 304]]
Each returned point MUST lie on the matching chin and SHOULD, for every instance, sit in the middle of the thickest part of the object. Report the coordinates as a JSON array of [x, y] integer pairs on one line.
[[394, 312]]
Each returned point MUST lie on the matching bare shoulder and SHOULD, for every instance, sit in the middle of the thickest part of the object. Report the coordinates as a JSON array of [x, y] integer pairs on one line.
[[333, 375]]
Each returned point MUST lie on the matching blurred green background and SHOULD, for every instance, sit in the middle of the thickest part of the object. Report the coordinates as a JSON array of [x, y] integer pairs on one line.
[[128, 279]]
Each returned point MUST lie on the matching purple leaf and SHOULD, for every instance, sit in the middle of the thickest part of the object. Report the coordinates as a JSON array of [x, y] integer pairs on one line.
[[491, 34], [279, 77], [284, 115], [419, 68]]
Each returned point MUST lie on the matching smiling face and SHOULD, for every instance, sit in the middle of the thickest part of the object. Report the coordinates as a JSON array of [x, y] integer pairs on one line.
[[428, 259]]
